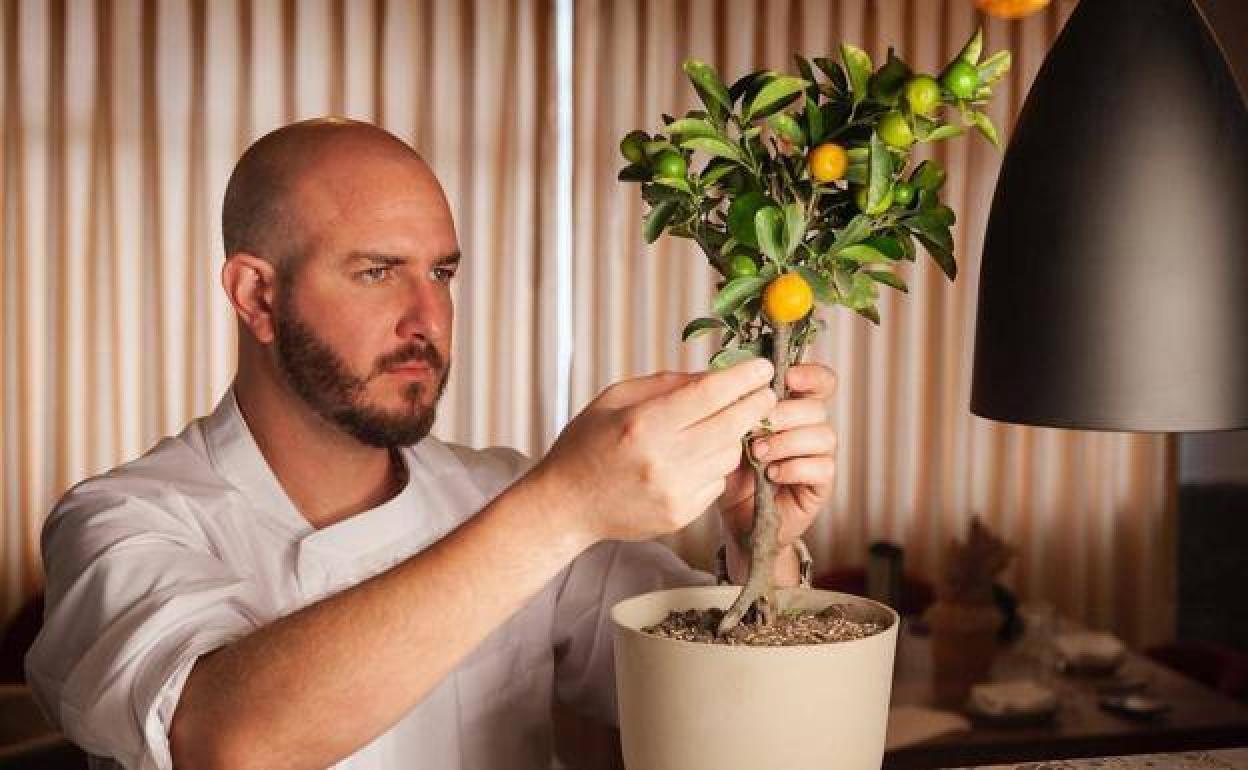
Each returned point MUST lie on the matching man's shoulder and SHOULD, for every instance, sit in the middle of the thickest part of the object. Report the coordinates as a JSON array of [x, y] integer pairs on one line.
[[150, 491]]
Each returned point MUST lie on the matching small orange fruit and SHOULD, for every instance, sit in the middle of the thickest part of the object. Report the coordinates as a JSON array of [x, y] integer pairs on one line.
[[788, 298], [828, 162], [1010, 9]]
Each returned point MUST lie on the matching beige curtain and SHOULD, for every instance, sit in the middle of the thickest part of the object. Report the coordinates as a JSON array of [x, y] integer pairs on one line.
[[1088, 512], [121, 122]]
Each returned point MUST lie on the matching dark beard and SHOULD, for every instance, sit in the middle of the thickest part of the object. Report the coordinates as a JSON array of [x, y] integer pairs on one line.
[[325, 383]]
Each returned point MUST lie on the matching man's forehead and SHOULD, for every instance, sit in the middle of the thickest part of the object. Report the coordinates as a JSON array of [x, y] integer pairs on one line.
[[389, 203]]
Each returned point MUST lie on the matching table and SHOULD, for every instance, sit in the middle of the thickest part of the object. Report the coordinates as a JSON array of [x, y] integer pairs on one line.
[[1200, 718], [1229, 759]]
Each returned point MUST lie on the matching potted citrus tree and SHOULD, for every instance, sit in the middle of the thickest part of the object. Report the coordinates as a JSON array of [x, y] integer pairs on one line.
[[800, 190]]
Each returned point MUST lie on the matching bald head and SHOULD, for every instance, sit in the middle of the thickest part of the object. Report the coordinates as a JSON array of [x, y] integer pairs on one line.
[[262, 212]]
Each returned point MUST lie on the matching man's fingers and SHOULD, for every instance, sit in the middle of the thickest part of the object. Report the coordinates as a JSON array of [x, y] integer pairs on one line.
[[810, 381], [629, 392], [731, 423], [813, 471], [799, 442], [797, 412], [710, 393]]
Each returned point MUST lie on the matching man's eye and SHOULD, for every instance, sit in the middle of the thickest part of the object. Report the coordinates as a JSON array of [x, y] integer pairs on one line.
[[374, 274], [443, 274]]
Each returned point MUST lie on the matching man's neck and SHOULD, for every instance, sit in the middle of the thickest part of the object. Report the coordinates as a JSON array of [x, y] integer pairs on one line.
[[327, 474]]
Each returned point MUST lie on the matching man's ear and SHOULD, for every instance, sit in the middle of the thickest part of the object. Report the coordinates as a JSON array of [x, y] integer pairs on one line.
[[251, 284]]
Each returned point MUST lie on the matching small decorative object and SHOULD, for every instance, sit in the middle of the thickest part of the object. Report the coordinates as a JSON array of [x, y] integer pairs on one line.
[[1018, 702], [964, 620], [1089, 652], [799, 189]]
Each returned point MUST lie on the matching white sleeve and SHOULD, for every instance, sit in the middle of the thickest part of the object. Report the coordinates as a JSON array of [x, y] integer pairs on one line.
[[583, 636], [134, 598]]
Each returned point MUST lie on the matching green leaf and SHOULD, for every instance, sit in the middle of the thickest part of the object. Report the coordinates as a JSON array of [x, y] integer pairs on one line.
[[855, 232], [634, 173], [814, 122], [774, 96], [834, 116], [768, 224], [940, 247], [784, 125], [808, 74], [985, 126], [864, 254], [708, 85], [656, 193], [730, 357], [655, 146], [939, 217], [713, 146], [858, 65], [971, 51], [741, 214], [885, 85], [736, 293], [994, 68], [699, 326], [887, 245], [691, 127], [676, 184], [862, 292], [946, 131], [906, 241], [794, 228], [818, 284], [834, 72], [879, 172], [658, 218], [928, 176], [748, 83], [888, 279], [715, 170], [871, 313]]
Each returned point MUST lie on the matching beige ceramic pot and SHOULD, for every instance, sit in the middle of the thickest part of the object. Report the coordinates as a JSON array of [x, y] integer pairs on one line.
[[689, 706]]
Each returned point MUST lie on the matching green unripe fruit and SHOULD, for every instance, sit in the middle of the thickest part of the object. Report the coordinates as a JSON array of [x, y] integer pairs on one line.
[[671, 165], [741, 266], [860, 198], [923, 94], [895, 131], [903, 193], [962, 79], [632, 147]]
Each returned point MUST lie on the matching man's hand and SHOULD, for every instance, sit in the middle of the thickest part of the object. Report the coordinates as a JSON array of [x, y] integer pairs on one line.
[[800, 457], [649, 455]]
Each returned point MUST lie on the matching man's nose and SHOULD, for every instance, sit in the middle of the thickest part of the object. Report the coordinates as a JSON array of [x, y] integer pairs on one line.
[[426, 311]]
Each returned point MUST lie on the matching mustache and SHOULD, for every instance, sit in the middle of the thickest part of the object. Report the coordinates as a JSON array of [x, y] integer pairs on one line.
[[412, 353]]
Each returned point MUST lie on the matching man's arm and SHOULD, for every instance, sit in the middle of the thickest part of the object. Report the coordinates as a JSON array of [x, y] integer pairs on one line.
[[305, 691], [318, 684]]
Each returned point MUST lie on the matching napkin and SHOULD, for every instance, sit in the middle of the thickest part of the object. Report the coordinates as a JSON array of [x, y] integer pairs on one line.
[[1020, 697], [1089, 649], [913, 724]]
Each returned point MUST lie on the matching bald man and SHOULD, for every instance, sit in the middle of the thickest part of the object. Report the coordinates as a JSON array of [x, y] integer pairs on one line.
[[305, 578]]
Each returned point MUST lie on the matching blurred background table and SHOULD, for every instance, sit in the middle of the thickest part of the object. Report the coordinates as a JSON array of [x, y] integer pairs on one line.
[[1198, 718]]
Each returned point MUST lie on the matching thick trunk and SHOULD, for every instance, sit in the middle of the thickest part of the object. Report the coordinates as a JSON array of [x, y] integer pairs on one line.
[[758, 591]]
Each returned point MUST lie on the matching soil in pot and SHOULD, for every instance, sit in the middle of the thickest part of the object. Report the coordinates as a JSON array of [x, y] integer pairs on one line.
[[792, 627]]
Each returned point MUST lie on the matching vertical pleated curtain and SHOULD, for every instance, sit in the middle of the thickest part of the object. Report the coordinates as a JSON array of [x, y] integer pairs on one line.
[[1090, 514], [121, 121]]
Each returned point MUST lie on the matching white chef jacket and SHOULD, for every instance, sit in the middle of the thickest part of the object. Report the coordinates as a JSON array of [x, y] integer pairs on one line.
[[195, 544]]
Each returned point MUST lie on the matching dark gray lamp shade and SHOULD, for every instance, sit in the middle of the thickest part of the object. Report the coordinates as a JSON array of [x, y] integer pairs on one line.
[[1114, 288]]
